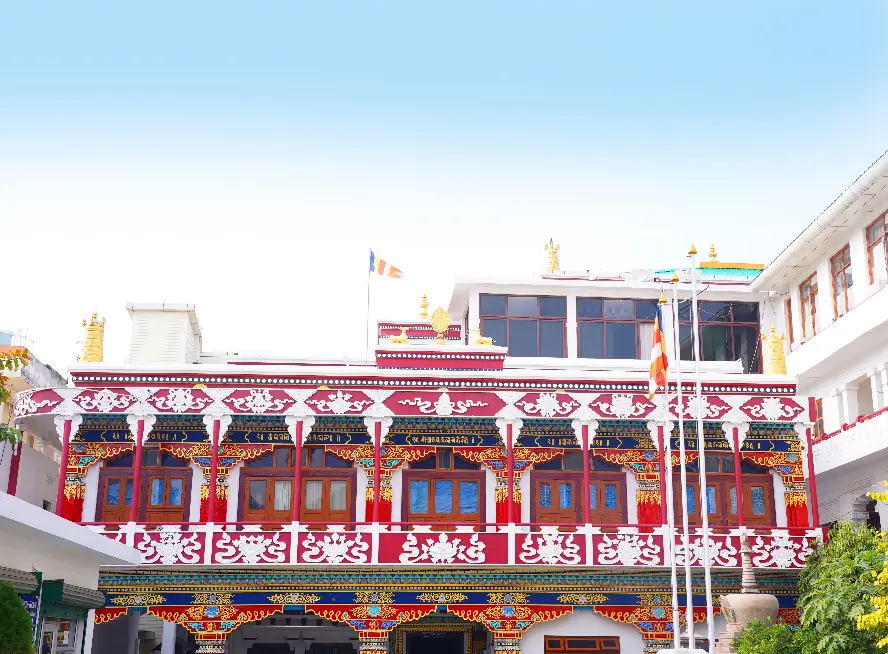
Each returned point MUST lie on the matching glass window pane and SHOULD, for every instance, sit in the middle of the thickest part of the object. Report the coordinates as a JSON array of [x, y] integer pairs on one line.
[[620, 340], [593, 496], [727, 462], [316, 457], [419, 496], [712, 463], [746, 344], [523, 338], [445, 459], [610, 497], [149, 457], [684, 310], [428, 463], [647, 309], [565, 495], [169, 461], [128, 498], [176, 492], [686, 339], [460, 463], [443, 496], [715, 311], [338, 495], [283, 491], [589, 307], [545, 495], [573, 460], [495, 329], [604, 466], [314, 491], [265, 461], [257, 495], [552, 338], [745, 312], [619, 309], [523, 306], [692, 499], [553, 307], [710, 500], [492, 305], [716, 343], [112, 497], [757, 494], [281, 457], [157, 492], [333, 461], [125, 461], [592, 340], [733, 495], [468, 497]]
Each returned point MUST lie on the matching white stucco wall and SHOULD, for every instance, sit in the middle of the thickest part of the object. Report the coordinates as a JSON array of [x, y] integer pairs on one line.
[[361, 495], [38, 478], [91, 492], [196, 481], [582, 623], [234, 478]]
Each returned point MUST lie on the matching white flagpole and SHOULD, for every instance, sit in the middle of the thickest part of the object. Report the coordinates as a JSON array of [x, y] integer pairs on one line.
[[701, 441], [670, 502], [682, 460]]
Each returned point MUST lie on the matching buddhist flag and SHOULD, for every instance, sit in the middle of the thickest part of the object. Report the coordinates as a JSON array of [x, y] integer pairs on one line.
[[383, 268], [659, 363]]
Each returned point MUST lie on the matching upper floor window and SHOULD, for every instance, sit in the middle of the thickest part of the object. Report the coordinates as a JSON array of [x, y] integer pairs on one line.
[[163, 487], [787, 310], [808, 306], [818, 423], [557, 491], [757, 490], [530, 326], [615, 329], [877, 249], [840, 270], [729, 331], [443, 487]]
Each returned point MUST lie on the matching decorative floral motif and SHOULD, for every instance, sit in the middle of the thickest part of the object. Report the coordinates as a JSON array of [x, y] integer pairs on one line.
[[169, 546], [138, 600], [548, 405], [340, 403], [720, 552], [26, 406], [216, 599], [250, 549], [180, 400], [582, 598], [103, 401], [508, 599], [783, 551], [293, 598], [622, 406], [628, 549], [444, 549], [443, 406], [772, 409], [335, 548], [551, 547], [374, 597], [259, 400], [441, 598]]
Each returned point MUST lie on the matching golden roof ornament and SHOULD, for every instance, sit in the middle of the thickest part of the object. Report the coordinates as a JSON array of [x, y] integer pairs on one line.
[[773, 353], [94, 340], [713, 255], [424, 307], [552, 264], [440, 322]]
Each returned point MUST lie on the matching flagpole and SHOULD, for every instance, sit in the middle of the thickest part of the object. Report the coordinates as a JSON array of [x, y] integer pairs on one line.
[[670, 504], [682, 460], [701, 442], [367, 322]]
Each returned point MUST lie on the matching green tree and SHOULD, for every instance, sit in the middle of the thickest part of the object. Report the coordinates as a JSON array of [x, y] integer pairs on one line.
[[11, 360], [758, 638], [16, 636]]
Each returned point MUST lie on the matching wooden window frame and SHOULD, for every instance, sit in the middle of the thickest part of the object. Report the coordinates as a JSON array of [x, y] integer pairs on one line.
[[818, 422], [537, 319], [835, 274], [602, 645], [576, 476], [147, 472], [450, 475], [604, 321], [787, 308], [731, 323], [871, 245], [808, 300]]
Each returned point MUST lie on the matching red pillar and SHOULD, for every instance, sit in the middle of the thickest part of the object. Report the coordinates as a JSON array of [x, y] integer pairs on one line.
[[63, 468], [584, 443], [297, 471], [137, 470], [661, 452], [14, 462], [377, 468], [812, 481], [738, 479], [510, 471], [214, 471]]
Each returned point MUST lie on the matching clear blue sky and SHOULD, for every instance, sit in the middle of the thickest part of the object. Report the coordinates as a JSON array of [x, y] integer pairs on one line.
[[245, 155]]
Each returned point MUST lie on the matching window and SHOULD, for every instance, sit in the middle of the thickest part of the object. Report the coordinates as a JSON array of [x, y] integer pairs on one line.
[[615, 329], [597, 644], [840, 269], [729, 331], [164, 489], [808, 306], [877, 250], [443, 487], [721, 492], [557, 491], [529, 326], [787, 310], [818, 424]]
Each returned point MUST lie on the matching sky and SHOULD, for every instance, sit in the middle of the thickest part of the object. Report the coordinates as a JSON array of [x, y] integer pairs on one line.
[[246, 156]]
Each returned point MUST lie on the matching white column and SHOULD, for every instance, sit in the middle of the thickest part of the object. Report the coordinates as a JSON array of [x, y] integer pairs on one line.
[[825, 313], [168, 638], [88, 630], [883, 375], [833, 414], [572, 350], [849, 403], [876, 389]]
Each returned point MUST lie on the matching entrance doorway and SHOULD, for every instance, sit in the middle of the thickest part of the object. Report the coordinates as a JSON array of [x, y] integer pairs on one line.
[[430, 642]]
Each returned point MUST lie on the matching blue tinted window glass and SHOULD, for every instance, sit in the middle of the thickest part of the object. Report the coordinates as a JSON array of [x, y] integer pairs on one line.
[[565, 496], [610, 497], [553, 307], [733, 500], [495, 329], [589, 307], [592, 340], [593, 496], [113, 496], [175, 492], [468, 497], [621, 340], [128, 499], [546, 495], [692, 500], [419, 496], [443, 496], [523, 306], [646, 309], [758, 500], [523, 338], [169, 461], [710, 500], [552, 338], [125, 461], [157, 491], [492, 305], [619, 309]]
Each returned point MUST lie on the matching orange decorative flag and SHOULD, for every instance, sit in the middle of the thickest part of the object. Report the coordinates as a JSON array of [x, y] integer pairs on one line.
[[659, 362], [384, 268]]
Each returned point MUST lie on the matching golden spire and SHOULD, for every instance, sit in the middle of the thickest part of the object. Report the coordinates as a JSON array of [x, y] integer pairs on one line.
[[552, 264], [662, 299], [773, 353], [94, 340], [675, 278], [440, 323], [692, 250], [424, 307], [713, 255]]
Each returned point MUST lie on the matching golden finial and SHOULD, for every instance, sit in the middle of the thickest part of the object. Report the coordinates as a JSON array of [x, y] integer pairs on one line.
[[692, 250], [552, 264], [482, 340], [94, 340], [675, 278], [402, 339], [773, 353], [713, 255], [440, 322], [424, 307], [662, 299], [199, 386]]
